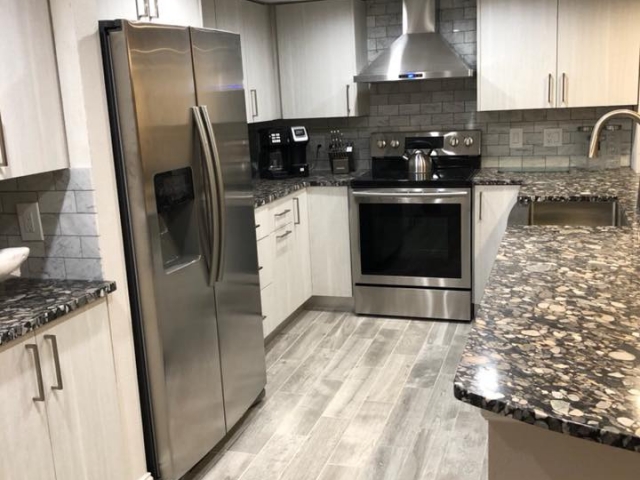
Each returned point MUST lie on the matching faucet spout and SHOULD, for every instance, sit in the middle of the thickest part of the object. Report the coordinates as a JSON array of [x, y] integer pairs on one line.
[[597, 129]]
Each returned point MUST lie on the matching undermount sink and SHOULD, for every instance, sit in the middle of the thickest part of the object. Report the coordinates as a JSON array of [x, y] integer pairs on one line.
[[588, 214], [11, 259]]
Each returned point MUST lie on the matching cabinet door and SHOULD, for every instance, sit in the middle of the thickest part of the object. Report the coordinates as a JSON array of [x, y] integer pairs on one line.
[[302, 260], [176, 12], [330, 241], [316, 51], [84, 415], [492, 206], [516, 54], [284, 272], [25, 445], [260, 64], [598, 52], [31, 121], [126, 9], [225, 14]]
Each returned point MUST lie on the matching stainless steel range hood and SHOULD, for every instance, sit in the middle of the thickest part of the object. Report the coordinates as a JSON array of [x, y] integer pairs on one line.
[[419, 53]]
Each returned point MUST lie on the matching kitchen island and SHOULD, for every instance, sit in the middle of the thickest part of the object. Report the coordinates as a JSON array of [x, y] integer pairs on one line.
[[556, 343]]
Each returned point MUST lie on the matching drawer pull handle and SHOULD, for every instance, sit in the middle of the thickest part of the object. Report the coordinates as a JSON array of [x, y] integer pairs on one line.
[[56, 360], [286, 234], [36, 359], [282, 213]]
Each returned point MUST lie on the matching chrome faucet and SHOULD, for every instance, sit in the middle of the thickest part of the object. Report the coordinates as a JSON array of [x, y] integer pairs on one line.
[[597, 129]]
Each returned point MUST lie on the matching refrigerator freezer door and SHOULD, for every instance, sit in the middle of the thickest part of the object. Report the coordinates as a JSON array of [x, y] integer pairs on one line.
[[153, 74], [217, 62]]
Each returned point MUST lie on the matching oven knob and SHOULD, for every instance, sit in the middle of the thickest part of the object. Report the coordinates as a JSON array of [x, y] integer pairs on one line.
[[381, 144], [468, 141], [454, 141], [395, 143]]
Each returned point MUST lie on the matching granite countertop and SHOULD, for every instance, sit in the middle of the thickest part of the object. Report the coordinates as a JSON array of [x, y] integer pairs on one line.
[[28, 304], [267, 191], [556, 342]]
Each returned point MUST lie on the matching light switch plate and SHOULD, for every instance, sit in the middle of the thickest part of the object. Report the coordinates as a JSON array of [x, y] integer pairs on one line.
[[30, 221], [552, 137], [516, 138]]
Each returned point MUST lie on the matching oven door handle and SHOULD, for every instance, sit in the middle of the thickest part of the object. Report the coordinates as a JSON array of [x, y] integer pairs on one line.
[[397, 194]]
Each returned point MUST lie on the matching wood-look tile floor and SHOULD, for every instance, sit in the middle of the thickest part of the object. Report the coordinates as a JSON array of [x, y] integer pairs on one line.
[[355, 398]]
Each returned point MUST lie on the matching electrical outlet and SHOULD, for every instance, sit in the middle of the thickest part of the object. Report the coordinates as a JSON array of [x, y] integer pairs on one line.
[[552, 137], [30, 221], [516, 138]]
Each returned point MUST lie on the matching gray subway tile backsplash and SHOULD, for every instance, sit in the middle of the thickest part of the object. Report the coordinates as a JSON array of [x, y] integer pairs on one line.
[[69, 222]]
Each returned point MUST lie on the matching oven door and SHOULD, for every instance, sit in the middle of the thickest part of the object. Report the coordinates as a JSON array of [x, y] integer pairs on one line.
[[411, 237]]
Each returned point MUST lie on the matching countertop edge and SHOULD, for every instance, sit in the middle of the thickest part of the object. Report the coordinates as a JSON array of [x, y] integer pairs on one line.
[[547, 421], [56, 311]]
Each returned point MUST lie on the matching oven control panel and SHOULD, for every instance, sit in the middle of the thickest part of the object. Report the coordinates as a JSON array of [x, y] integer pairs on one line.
[[466, 143]]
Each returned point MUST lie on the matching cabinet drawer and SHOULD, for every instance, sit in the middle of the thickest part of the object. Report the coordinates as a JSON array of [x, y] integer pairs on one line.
[[264, 222], [266, 253], [282, 214]]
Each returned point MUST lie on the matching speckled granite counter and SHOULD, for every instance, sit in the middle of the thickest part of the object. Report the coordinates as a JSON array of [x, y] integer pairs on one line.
[[557, 339], [27, 304], [267, 191]]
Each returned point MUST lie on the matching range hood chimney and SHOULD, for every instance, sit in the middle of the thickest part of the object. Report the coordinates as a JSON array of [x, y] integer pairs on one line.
[[420, 53]]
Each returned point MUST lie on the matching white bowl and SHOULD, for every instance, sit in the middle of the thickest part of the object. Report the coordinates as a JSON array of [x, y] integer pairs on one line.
[[11, 259]]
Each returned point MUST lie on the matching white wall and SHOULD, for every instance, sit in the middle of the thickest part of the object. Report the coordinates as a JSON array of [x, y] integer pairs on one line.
[[86, 116]]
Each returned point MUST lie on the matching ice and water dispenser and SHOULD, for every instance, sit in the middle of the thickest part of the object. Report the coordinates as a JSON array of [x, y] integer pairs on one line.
[[177, 218]]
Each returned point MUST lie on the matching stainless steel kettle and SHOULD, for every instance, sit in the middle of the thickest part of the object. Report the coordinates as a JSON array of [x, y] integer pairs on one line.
[[420, 163]]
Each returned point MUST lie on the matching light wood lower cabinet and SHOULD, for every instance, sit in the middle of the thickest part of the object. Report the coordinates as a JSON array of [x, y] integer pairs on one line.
[[283, 257], [70, 427], [491, 208], [330, 241], [25, 448]]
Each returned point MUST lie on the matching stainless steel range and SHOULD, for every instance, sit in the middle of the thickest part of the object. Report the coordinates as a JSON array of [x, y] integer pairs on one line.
[[411, 228]]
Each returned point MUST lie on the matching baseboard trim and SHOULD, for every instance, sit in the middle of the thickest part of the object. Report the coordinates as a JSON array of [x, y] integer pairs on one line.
[[146, 476], [333, 304]]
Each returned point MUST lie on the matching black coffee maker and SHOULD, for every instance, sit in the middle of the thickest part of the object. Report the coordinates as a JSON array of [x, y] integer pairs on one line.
[[283, 152]]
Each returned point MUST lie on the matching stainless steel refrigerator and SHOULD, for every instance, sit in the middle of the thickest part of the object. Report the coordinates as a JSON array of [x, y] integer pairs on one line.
[[180, 141]]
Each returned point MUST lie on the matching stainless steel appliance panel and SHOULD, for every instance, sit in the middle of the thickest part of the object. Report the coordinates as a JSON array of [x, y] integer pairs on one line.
[[217, 61], [461, 197], [178, 305], [413, 302]]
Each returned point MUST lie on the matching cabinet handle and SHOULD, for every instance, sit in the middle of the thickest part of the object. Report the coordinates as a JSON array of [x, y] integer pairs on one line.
[[280, 237], [297, 222], [284, 212], [260, 269], [254, 103], [257, 226], [348, 101], [550, 89], [36, 359], [564, 83], [4, 161], [56, 361], [480, 207]]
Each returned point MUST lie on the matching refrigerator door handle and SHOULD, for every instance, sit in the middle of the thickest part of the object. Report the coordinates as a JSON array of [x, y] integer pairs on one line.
[[215, 154], [212, 209]]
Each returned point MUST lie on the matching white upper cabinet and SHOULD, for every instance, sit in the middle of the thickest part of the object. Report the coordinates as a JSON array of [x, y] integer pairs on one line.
[[222, 14], [262, 89], [598, 52], [516, 54], [32, 132], [557, 53], [321, 46], [171, 12]]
